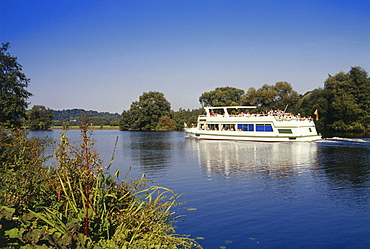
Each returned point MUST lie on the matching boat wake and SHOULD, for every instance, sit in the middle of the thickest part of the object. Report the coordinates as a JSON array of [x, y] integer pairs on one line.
[[346, 142], [344, 139]]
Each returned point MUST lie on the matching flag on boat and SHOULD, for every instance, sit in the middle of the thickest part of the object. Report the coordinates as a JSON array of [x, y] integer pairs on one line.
[[317, 114]]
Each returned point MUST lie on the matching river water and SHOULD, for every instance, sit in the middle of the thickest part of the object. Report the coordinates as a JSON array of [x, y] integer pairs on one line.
[[253, 194]]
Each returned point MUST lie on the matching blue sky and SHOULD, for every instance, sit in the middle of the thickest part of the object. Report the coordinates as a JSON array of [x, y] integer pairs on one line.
[[102, 55]]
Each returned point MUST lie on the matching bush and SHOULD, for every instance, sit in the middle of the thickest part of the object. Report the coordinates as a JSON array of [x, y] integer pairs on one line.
[[24, 179], [77, 204]]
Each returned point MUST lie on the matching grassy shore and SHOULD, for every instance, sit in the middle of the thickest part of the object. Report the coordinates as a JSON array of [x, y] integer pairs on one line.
[[94, 127]]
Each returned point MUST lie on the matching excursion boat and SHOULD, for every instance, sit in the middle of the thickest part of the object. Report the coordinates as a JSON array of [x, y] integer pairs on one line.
[[237, 123]]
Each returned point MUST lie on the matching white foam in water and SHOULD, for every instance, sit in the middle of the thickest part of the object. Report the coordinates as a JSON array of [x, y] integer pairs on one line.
[[343, 139]]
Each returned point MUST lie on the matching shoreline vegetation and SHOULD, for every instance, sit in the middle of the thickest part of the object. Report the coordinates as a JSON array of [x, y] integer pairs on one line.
[[339, 107], [75, 202], [93, 127]]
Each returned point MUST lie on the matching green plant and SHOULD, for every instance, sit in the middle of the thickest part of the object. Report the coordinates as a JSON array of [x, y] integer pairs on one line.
[[24, 183], [90, 208], [24, 178]]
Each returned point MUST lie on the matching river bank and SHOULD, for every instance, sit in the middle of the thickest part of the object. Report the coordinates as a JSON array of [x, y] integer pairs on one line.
[[94, 127]]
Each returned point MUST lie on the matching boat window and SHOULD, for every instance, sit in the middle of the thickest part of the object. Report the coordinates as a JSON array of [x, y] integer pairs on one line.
[[245, 127], [286, 131], [268, 127], [229, 127], [310, 129], [263, 127], [213, 126]]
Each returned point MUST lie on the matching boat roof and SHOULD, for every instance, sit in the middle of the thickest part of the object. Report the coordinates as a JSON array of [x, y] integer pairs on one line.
[[229, 107]]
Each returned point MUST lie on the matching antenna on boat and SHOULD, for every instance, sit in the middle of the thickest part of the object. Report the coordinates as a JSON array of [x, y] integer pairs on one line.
[[285, 108]]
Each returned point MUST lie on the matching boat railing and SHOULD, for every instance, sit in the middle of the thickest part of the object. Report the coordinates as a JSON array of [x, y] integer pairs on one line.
[[281, 118], [215, 115], [292, 118]]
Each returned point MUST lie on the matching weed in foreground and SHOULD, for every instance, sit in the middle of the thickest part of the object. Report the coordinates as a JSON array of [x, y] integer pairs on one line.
[[85, 207]]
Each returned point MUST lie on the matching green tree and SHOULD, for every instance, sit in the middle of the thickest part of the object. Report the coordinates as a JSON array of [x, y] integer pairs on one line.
[[343, 104], [313, 100], [266, 95], [361, 82], [188, 117], [97, 118], [286, 97], [275, 96], [222, 96], [99, 121], [145, 113], [39, 118], [126, 121], [166, 123], [347, 95], [13, 93], [250, 97]]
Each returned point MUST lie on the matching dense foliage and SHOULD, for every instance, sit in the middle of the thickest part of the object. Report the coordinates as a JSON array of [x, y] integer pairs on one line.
[[146, 113], [22, 174], [75, 203], [315, 100], [73, 117], [13, 93], [222, 96], [39, 118], [276, 96], [347, 106], [342, 105], [188, 117]]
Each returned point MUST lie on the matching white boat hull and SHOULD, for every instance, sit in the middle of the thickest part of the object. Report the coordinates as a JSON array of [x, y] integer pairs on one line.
[[245, 136]]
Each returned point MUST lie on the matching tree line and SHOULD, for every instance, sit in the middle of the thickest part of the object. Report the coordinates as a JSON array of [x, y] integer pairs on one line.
[[40, 117], [343, 103], [153, 112], [74, 117]]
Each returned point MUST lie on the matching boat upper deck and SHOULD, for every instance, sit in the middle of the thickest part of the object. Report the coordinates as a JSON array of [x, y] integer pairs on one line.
[[241, 112]]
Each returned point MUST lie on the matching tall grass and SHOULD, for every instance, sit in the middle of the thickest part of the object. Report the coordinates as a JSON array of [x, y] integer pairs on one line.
[[89, 208]]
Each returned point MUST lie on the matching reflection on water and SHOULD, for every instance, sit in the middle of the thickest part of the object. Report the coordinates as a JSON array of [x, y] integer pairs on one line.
[[233, 157], [340, 167], [344, 165], [288, 195], [150, 150], [345, 161]]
